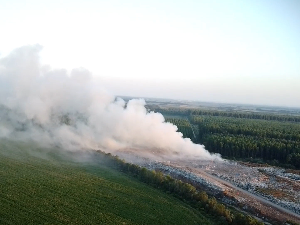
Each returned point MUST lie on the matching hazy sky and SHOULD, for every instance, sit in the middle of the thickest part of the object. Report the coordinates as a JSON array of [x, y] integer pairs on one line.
[[222, 51]]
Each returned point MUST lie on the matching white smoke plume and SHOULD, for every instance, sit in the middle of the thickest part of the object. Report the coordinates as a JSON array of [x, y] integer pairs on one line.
[[71, 111]]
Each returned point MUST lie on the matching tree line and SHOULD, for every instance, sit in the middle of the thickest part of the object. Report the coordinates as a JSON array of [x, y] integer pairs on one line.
[[234, 114]]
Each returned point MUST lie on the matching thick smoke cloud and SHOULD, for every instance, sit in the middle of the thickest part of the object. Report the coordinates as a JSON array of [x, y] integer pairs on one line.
[[71, 111]]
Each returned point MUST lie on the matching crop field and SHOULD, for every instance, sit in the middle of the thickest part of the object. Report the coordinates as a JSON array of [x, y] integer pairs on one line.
[[39, 187]]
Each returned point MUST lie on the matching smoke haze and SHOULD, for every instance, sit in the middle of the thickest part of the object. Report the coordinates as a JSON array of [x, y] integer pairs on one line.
[[72, 111]]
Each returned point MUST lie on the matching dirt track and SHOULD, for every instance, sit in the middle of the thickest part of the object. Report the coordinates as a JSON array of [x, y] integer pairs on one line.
[[236, 184], [243, 199], [266, 207]]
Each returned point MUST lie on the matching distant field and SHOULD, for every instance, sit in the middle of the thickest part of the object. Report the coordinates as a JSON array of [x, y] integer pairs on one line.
[[50, 189]]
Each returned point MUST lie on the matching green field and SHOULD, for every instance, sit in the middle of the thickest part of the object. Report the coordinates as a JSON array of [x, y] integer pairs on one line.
[[43, 186]]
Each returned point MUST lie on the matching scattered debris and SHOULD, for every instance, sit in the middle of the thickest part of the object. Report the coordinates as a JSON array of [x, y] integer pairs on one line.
[[222, 179]]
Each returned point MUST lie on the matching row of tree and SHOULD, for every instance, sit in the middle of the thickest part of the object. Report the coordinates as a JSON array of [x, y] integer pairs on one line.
[[184, 191], [234, 114]]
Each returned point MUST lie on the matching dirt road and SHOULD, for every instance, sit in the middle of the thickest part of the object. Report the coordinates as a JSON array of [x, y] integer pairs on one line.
[[261, 204]]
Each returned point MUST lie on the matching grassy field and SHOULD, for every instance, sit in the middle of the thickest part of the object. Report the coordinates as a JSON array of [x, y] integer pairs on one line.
[[41, 186]]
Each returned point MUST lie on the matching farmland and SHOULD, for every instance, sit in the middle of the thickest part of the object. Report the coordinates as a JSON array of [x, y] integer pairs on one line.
[[53, 186], [43, 186]]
